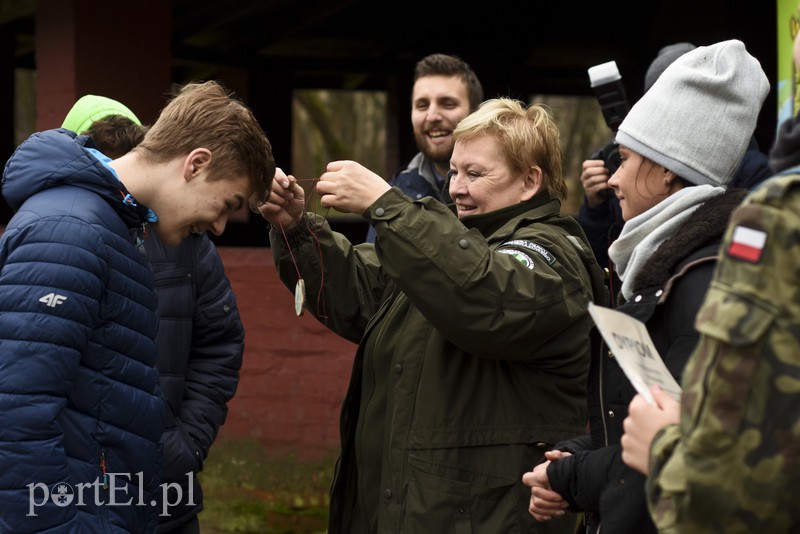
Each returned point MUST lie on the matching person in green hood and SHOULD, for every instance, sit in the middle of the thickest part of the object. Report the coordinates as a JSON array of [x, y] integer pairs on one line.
[[89, 109], [112, 126]]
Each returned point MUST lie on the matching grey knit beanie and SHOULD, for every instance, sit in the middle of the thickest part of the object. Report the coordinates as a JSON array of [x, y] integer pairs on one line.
[[698, 117], [664, 59]]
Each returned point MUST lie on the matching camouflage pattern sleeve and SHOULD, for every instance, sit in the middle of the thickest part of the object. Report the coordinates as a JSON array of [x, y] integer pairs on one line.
[[733, 463]]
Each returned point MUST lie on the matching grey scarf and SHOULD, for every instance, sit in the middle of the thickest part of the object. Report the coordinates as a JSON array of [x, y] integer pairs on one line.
[[642, 235]]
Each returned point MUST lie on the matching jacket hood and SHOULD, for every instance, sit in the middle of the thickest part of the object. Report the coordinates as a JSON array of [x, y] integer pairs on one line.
[[59, 157]]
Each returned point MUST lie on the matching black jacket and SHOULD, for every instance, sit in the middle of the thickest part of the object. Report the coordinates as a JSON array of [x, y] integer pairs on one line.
[[785, 152], [200, 347], [602, 225], [668, 293]]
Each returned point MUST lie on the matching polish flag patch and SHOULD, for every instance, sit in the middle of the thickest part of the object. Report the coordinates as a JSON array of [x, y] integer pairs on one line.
[[747, 244]]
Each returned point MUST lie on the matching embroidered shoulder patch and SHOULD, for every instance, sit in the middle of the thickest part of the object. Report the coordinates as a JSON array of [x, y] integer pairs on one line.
[[747, 244], [530, 245], [523, 258]]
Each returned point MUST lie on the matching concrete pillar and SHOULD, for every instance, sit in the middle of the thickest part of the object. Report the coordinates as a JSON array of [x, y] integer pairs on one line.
[[120, 49]]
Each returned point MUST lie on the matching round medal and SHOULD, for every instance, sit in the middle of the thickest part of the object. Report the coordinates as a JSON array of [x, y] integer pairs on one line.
[[299, 297]]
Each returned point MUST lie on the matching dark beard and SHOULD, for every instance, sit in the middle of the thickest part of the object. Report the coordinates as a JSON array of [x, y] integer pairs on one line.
[[440, 157]]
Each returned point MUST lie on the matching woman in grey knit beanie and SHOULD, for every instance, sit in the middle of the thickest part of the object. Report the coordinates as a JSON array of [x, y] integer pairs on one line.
[[680, 145]]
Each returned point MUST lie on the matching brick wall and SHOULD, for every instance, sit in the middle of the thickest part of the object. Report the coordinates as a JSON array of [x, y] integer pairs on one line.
[[295, 371]]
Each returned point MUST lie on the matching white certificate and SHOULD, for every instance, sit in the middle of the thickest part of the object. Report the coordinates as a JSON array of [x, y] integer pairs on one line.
[[628, 339]]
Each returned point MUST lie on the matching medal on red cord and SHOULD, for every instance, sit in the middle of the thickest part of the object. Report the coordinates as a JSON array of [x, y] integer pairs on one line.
[[299, 297]]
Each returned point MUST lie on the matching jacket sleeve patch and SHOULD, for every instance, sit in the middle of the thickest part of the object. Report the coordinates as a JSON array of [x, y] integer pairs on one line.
[[523, 258], [747, 244], [530, 245]]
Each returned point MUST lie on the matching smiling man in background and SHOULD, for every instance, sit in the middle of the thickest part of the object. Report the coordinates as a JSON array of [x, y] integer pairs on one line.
[[446, 90]]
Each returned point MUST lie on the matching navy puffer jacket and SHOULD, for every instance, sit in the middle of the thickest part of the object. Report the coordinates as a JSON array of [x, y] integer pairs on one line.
[[79, 394], [200, 349]]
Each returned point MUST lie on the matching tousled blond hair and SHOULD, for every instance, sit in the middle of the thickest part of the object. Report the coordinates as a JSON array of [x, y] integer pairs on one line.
[[527, 136]]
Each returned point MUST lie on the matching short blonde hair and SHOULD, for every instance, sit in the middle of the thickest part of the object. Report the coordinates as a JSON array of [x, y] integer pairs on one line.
[[528, 137], [206, 115]]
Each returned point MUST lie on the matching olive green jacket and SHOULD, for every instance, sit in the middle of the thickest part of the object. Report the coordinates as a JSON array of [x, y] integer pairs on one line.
[[732, 464], [473, 357]]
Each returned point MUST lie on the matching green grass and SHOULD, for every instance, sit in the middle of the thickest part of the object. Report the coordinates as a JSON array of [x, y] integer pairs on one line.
[[250, 490]]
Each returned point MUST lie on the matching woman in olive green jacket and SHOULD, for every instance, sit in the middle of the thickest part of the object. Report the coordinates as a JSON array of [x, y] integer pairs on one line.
[[472, 327]]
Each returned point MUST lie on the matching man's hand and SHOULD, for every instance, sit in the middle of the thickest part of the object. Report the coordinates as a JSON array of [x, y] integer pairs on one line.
[[643, 423], [594, 179], [286, 203]]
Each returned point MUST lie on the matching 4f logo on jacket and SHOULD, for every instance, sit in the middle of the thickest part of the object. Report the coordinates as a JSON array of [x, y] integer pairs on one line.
[[53, 300]]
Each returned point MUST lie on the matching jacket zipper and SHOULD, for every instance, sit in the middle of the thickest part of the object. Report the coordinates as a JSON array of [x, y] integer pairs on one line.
[[103, 469], [602, 356]]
